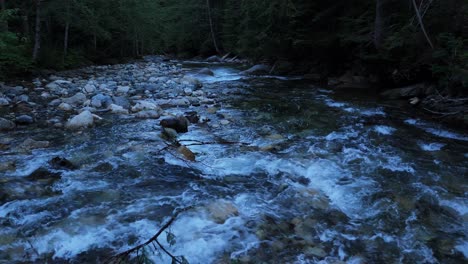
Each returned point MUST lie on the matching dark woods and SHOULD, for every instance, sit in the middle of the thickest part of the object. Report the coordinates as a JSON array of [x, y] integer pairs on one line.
[[395, 42]]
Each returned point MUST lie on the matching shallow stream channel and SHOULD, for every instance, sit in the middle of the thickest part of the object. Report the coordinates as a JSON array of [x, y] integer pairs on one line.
[[284, 172]]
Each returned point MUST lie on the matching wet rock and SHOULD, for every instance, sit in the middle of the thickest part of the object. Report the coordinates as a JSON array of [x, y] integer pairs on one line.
[[188, 91], [6, 125], [24, 120], [77, 99], [205, 71], [65, 107], [117, 109], [148, 114], [44, 175], [169, 133], [221, 210], [186, 152], [179, 124], [145, 105], [224, 122], [30, 144], [257, 70], [83, 120], [101, 100], [62, 163], [103, 167], [192, 117]]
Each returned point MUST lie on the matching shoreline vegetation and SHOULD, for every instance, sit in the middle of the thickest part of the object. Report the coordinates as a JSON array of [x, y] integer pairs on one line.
[[414, 50]]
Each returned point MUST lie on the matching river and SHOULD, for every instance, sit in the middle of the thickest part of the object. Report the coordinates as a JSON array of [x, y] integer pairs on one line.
[[312, 176]]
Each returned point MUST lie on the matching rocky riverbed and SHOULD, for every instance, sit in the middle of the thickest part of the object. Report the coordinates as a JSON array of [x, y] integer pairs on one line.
[[274, 169]]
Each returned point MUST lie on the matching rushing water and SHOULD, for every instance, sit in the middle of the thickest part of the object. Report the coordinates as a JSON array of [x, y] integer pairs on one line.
[[316, 177]]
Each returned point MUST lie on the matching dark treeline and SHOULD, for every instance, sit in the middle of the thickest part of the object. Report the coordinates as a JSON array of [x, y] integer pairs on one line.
[[394, 41]]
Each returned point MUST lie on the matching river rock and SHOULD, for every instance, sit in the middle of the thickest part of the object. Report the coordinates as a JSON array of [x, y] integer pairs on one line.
[[205, 71], [4, 102], [83, 120], [62, 163], [24, 120], [186, 152], [170, 133], [257, 70], [145, 105], [6, 125], [179, 124], [89, 88], [221, 210], [101, 100], [7, 166], [117, 109], [179, 102], [191, 82], [148, 114], [123, 89], [55, 102], [121, 101], [77, 99], [44, 175], [65, 107], [22, 98], [192, 117], [30, 144]]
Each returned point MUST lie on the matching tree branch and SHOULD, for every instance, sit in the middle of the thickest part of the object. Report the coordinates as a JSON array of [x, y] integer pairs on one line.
[[418, 14]]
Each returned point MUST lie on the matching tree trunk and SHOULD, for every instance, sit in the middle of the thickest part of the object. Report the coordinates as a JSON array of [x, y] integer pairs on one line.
[[37, 34], [213, 36], [379, 24], [4, 25], [2, 4], [423, 29], [65, 40]]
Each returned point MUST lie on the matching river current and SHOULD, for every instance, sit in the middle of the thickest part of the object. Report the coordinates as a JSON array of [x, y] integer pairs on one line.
[[285, 172]]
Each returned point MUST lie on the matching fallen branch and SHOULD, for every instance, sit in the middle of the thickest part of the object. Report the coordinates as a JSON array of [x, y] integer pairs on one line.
[[126, 254]]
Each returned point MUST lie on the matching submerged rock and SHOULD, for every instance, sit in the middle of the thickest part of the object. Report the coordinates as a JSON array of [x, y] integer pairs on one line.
[[83, 120], [221, 210], [62, 163]]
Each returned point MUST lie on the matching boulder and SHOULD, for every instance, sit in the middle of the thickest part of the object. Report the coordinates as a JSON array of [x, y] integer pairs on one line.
[[6, 125], [83, 120], [179, 124], [77, 99], [24, 120], [259, 69]]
